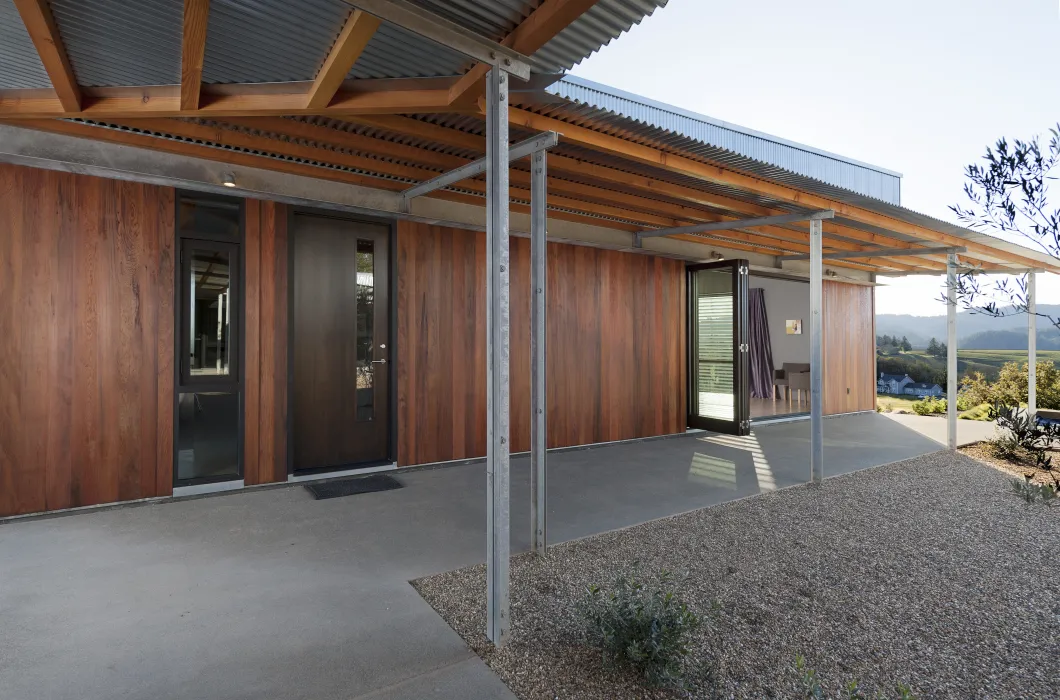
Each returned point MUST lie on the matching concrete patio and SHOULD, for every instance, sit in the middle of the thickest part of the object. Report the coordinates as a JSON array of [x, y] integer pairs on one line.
[[268, 593]]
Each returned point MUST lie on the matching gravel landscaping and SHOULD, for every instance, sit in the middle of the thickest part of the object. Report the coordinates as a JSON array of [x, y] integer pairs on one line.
[[982, 452], [927, 572]]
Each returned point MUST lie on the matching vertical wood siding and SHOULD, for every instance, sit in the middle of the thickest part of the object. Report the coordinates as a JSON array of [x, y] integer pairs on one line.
[[849, 344], [86, 340], [265, 379], [616, 344]]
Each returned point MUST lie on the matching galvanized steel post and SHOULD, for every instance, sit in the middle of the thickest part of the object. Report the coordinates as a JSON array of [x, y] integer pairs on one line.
[[1032, 348], [498, 399], [538, 330], [816, 353], [951, 351]]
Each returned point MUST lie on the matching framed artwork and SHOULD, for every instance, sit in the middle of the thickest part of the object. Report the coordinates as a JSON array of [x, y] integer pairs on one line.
[[794, 327]]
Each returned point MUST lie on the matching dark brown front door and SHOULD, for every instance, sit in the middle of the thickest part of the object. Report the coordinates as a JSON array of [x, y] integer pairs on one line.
[[340, 316]]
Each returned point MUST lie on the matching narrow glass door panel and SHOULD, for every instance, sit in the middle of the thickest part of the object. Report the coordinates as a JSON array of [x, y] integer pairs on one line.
[[715, 382], [718, 357]]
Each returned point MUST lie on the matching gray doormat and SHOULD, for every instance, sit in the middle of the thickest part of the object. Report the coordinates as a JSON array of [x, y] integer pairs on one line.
[[348, 487]]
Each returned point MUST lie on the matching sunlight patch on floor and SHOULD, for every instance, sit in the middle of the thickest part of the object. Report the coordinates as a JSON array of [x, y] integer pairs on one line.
[[748, 443]]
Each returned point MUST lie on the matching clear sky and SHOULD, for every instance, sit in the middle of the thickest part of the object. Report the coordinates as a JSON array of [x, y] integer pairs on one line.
[[920, 87]]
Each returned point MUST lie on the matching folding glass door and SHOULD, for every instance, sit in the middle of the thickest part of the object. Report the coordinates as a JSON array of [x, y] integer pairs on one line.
[[718, 398]]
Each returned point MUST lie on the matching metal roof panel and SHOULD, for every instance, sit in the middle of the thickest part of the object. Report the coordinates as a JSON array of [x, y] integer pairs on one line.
[[20, 65], [115, 42]]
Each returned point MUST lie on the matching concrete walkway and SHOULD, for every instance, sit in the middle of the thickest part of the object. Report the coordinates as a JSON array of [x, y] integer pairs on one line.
[[270, 594], [934, 427]]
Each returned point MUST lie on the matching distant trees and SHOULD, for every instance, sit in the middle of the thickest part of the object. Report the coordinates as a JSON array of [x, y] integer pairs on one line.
[[892, 341], [937, 349], [1011, 386]]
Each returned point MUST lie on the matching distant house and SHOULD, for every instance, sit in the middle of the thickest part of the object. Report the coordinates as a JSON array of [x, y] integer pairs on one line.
[[922, 389], [892, 383]]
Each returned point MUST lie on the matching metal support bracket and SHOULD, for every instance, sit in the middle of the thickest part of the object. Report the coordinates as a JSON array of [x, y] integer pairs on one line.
[[522, 149], [733, 224], [440, 30], [879, 253]]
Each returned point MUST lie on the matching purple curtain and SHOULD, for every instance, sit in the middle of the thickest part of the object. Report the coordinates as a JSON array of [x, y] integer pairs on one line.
[[761, 349]]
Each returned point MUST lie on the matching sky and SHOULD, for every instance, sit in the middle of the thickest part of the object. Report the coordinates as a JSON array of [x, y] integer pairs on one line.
[[920, 87]]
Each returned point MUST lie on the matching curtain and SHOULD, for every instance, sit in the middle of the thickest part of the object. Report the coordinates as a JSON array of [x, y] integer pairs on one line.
[[761, 349]]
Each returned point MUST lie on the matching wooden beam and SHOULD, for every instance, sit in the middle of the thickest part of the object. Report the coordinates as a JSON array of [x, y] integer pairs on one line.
[[716, 174], [250, 101], [37, 16], [544, 23], [359, 29], [193, 51]]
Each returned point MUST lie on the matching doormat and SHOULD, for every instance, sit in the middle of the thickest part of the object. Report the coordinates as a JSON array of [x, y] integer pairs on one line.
[[348, 487]]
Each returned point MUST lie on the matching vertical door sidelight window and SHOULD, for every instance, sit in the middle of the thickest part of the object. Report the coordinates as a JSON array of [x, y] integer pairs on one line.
[[365, 330], [209, 343]]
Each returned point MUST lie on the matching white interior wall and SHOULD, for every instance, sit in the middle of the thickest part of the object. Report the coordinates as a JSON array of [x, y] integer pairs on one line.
[[786, 299]]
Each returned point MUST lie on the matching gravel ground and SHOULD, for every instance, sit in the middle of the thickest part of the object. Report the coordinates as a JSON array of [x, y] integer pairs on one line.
[[926, 571], [983, 453]]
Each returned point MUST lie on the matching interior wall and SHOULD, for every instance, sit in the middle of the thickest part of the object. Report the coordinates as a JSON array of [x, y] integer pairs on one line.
[[86, 340], [786, 299], [616, 344]]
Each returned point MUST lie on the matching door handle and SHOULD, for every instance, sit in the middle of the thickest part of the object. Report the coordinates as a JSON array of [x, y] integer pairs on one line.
[[379, 362]]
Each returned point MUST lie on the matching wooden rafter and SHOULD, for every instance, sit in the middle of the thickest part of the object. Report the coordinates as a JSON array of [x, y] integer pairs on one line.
[[355, 97], [193, 51], [37, 16], [359, 29], [548, 20], [723, 176]]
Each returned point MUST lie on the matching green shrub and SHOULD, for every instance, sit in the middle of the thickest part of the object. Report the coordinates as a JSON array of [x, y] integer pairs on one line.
[[811, 687], [929, 406], [645, 629], [1033, 493], [980, 412], [1023, 440]]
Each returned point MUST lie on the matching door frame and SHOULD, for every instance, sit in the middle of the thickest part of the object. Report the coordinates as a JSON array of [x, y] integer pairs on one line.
[[392, 272], [741, 423]]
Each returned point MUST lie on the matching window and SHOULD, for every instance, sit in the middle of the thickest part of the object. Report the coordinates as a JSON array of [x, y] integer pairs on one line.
[[209, 319]]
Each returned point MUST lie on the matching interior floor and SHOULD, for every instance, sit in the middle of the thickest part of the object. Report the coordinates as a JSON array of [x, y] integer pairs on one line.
[[768, 408]]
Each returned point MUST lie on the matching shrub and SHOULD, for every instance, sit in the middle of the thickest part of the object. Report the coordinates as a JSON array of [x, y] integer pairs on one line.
[[1023, 439], [980, 412], [1033, 493], [645, 629], [812, 690], [929, 406]]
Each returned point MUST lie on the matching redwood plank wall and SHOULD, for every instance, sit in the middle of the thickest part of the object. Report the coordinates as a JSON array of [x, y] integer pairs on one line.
[[265, 341], [86, 340], [849, 345], [616, 344]]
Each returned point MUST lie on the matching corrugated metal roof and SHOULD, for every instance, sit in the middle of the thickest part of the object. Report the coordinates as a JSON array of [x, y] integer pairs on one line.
[[265, 41], [605, 21], [394, 52], [20, 66], [639, 118], [122, 43], [116, 42]]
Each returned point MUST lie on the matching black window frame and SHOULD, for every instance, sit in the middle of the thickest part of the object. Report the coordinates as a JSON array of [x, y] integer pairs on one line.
[[231, 383]]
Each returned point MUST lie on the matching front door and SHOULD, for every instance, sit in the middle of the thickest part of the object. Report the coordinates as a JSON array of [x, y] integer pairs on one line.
[[341, 346], [719, 398]]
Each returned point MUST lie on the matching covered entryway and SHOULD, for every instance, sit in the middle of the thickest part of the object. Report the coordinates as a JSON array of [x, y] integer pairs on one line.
[[266, 594]]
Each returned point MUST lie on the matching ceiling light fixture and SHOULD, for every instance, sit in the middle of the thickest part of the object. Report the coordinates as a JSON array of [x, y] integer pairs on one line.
[[229, 181]]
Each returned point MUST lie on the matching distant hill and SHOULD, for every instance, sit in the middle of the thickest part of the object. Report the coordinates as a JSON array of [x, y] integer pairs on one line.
[[1008, 340], [920, 329]]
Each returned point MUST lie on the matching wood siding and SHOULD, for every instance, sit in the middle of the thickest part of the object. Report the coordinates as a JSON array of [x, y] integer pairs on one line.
[[86, 340], [849, 343], [265, 340], [616, 344]]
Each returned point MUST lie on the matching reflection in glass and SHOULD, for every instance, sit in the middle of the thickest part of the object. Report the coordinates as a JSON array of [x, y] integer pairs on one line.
[[208, 436], [365, 330], [210, 316], [715, 394]]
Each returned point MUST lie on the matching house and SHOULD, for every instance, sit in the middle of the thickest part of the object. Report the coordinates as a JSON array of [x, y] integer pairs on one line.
[[300, 245], [892, 383], [922, 389]]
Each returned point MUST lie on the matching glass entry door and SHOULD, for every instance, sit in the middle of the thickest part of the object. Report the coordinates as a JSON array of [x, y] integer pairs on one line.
[[718, 397]]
